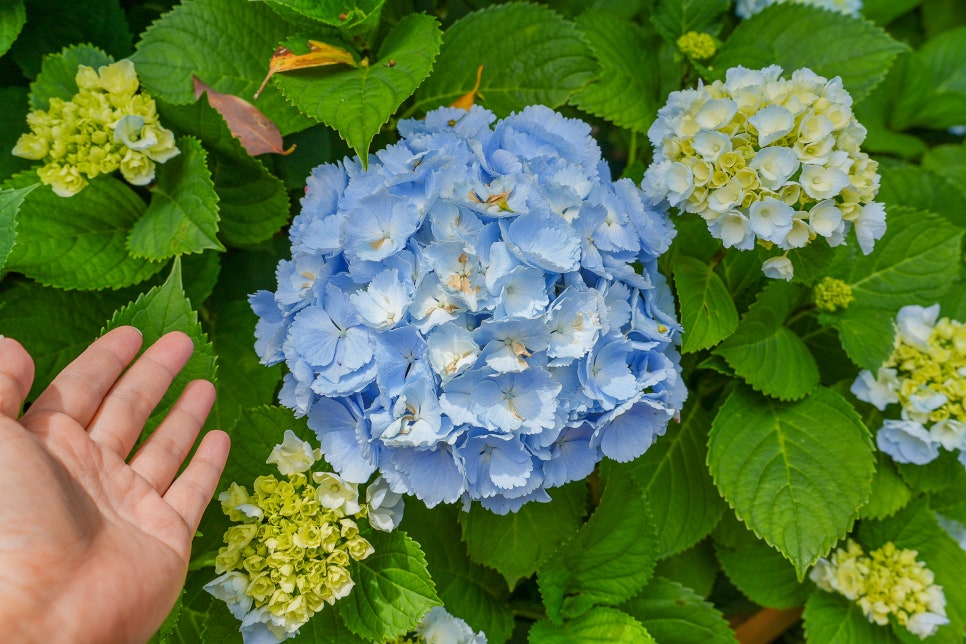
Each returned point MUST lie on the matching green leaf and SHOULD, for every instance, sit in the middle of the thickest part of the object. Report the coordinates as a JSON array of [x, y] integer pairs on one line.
[[625, 92], [161, 310], [325, 627], [51, 26], [810, 263], [12, 19], [882, 12], [253, 204], [759, 571], [934, 84], [765, 353], [54, 325], [948, 161], [10, 202], [227, 45], [672, 613], [795, 473], [393, 589], [889, 492], [475, 594], [529, 54], [684, 502], [335, 13], [858, 51], [674, 18], [931, 187], [609, 560], [830, 618], [56, 78], [358, 102], [518, 543], [183, 214], [14, 106], [601, 624], [695, 568], [708, 313], [79, 242], [866, 334]]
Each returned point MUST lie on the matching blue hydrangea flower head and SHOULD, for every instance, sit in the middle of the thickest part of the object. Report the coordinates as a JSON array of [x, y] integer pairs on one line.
[[478, 315]]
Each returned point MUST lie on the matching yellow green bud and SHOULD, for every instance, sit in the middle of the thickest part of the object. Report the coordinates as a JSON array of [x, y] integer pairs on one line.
[[832, 294], [697, 45]]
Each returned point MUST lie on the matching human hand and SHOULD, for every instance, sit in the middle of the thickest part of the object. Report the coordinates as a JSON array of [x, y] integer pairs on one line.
[[94, 547]]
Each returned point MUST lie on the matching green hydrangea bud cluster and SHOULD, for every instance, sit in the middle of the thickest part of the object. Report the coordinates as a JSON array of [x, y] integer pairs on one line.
[[832, 294], [889, 581], [697, 45], [107, 125]]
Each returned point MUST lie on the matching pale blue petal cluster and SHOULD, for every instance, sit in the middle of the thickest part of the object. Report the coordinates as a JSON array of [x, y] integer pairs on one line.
[[478, 315]]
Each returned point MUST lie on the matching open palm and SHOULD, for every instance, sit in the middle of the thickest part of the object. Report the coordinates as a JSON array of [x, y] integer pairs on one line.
[[94, 546]]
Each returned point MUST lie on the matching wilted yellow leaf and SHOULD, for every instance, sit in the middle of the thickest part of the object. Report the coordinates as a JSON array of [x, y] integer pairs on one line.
[[304, 54], [467, 100]]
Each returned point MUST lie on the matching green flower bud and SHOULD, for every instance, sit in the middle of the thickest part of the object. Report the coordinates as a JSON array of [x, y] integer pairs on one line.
[[832, 294]]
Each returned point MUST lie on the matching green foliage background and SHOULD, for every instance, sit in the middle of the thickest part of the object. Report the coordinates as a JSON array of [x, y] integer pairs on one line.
[[773, 461]]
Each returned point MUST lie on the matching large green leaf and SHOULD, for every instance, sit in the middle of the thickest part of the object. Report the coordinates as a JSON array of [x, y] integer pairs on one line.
[[684, 502], [393, 589], [882, 12], [795, 473], [625, 91], [475, 594], [830, 618], [56, 78], [674, 18], [529, 55], [325, 627], [609, 560], [224, 43], [79, 242], [601, 625], [336, 13], [358, 102], [10, 202], [672, 613], [934, 82], [161, 310], [889, 492], [765, 353], [695, 568], [14, 106], [183, 214], [903, 184], [948, 161], [838, 45], [708, 313], [12, 19], [518, 543]]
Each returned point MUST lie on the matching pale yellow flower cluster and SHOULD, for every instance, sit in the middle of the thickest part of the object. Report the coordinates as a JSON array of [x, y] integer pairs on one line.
[[769, 160], [107, 125], [887, 582]]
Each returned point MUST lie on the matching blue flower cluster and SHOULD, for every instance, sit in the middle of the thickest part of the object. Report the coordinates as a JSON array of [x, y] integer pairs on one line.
[[465, 315]]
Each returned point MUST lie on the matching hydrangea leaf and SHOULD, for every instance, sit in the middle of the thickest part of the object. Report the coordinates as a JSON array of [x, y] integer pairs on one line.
[[934, 84], [540, 58], [335, 13], [916, 262], [810, 263], [889, 492], [14, 107], [10, 202], [518, 543], [838, 45], [243, 380], [161, 310], [795, 473], [56, 78], [696, 568], [882, 12], [759, 571], [79, 243], [12, 19], [625, 92], [183, 214], [875, 112], [393, 589], [684, 502], [915, 527], [55, 25], [358, 102], [252, 202], [765, 353], [227, 45], [708, 313], [672, 613], [830, 618], [948, 161], [932, 187], [609, 559], [674, 18], [325, 627], [600, 624], [35, 315], [472, 592]]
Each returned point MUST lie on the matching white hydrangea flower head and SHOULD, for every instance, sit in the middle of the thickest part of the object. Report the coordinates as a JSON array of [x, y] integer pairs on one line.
[[767, 160], [440, 627], [747, 8]]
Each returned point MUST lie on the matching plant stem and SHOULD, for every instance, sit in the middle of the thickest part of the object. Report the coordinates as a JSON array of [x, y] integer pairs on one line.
[[766, 625]]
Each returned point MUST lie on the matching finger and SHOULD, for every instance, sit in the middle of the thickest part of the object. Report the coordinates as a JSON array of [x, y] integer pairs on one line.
[[78, 390], [191, 492], [158, 459], [121, 417], [16, 376]]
